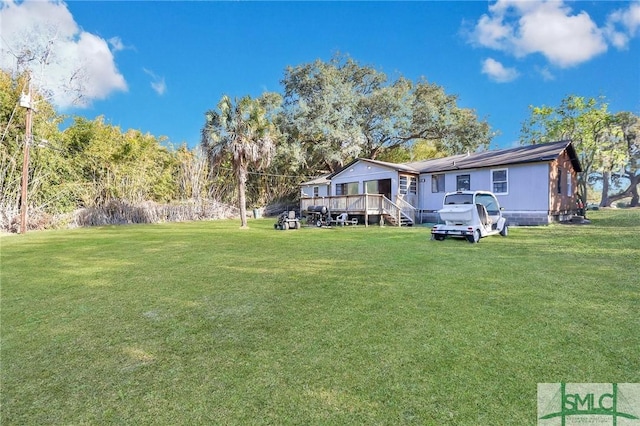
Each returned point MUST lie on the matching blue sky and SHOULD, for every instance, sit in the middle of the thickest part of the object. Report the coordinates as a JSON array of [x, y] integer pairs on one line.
[[158, 66]]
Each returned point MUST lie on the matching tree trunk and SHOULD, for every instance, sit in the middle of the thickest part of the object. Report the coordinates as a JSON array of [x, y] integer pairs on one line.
[[631, 191], [242, 197], [604, 199], [635, 197], [582, 192]]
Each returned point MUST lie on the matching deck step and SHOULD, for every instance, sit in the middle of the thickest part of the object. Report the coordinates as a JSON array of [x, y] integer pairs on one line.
[[404, 220]]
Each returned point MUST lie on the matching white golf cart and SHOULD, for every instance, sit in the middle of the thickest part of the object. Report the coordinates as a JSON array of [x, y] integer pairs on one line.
[[471, 215]]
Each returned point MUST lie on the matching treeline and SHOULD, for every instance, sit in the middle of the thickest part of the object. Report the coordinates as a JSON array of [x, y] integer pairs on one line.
[[92, 172], [88, 172]]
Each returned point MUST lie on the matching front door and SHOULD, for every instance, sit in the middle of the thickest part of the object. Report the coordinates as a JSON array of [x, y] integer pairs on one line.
[[408, 189], [384, 187]]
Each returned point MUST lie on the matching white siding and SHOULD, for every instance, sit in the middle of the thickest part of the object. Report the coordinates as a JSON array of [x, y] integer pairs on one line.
[[307, 190], [363, 171], [528, 187]]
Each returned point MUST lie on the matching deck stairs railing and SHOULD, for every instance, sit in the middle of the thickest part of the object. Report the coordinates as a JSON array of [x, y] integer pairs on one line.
[[399, 213]]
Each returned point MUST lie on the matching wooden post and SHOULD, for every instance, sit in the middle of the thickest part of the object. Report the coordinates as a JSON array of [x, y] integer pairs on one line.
[[366, 208], [25, 161]]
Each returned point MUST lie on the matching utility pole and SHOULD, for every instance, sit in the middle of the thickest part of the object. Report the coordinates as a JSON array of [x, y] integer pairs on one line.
[[26, 102]]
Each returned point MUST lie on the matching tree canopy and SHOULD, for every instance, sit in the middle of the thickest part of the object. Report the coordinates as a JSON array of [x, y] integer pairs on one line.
[[339, 110], [254, 151], [606, 143]]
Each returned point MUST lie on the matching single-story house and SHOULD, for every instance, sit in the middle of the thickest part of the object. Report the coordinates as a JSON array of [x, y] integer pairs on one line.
[[535, 184], [318, 187]]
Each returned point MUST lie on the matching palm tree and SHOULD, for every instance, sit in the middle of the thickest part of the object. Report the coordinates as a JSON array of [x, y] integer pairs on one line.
[[242, 132]]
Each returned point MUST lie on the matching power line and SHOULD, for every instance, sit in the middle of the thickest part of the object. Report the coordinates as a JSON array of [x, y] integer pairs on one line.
[[304, 177]]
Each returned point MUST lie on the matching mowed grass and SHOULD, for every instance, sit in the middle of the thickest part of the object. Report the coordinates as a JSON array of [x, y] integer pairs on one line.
[[204, 323]]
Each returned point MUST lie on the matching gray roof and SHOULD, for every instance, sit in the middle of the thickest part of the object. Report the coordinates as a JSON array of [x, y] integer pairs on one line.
[[543, 152], [320, 180], [522, 154]]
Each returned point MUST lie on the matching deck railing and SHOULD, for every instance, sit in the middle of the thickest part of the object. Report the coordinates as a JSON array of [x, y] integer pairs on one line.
[[362, 204], [407, 209]]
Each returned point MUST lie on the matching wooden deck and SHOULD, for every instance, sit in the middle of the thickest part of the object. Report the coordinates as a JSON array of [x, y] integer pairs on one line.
[[398, 214]]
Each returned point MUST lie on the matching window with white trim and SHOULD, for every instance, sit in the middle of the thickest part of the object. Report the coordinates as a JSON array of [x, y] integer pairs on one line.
[[500, 181]]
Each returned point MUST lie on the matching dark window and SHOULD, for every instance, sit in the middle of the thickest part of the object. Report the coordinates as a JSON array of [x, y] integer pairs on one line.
[[316, 191], [459, 199], [437, 183], [347, 188], [559, 181], [463, 182]]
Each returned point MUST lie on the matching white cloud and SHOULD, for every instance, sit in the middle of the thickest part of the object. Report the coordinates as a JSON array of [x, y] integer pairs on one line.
[[549, 28], [157, 83], [498, 72], [116, 44], [71, 65], [545, 73], [492, 32], [628, 20], [564, 39]]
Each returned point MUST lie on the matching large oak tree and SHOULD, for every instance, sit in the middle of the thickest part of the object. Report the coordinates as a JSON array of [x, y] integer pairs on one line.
[[339, 110], [606, 143]]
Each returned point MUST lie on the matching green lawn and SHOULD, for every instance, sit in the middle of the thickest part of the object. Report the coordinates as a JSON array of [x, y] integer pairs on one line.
[[204, 323]]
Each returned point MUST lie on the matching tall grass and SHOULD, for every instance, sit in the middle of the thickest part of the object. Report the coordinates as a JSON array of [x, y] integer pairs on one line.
[[203, 323]]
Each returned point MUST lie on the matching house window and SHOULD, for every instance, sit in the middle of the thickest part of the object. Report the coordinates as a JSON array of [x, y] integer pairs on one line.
[[371, 187], [569, 189], [347, 188], [559, 180], [437, 183], [316, 191], [408, 185], [500, 181], [413, 185], [463, 182]]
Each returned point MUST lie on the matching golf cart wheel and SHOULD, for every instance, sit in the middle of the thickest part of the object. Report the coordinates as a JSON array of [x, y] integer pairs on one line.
[[319, 223], [285, 226], [473, 239], [505, 231]]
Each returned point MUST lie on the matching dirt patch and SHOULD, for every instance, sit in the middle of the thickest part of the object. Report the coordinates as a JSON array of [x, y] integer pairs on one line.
[[576, 220]]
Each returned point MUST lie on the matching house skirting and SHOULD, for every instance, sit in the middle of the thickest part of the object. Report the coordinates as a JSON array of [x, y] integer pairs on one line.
[[527, 218], [514, 218], [532, 218]]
